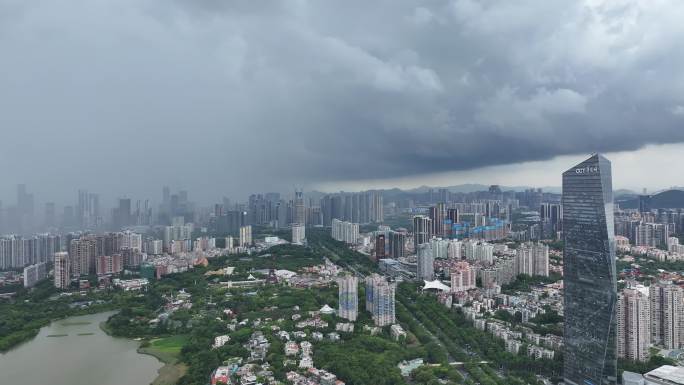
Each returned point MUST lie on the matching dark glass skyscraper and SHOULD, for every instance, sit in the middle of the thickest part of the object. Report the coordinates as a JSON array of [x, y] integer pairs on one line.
[[589, 274]]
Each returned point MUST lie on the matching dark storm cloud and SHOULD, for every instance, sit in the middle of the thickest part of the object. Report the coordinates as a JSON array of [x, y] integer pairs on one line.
[[235, 96]]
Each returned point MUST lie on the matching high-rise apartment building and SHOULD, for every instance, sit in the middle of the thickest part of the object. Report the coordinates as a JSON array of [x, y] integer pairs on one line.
[[667, 315], [246, 236], [62, 270], [82, 253], [299, 216], [380, 299], [108, 264], [451, 220], [454, 249], [463, 277], [348, 297], [479, 251], [590, 281], [437, 217], [34, 274], [345, 231], [651, 234], [532, 259], [425, 269], [380, 246], [397, 244], [298, 234], [633, 325]]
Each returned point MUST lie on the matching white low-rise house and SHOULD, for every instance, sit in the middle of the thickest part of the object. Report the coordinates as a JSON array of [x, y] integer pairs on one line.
[[306, 362], [345, 327], [307, 348], [283, 335], [299, 334], [220, 341], [397, 331], [291, 348]]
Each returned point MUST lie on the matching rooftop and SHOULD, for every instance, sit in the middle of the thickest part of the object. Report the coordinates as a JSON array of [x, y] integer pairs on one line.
[[667, 374]]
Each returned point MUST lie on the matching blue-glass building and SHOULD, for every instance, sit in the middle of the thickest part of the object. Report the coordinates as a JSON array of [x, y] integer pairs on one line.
[[589, 277]]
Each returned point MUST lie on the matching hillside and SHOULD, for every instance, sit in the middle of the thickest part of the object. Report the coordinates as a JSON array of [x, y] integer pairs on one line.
[[669, 199]]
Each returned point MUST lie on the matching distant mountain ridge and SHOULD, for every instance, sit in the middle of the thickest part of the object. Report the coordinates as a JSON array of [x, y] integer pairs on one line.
[[669, 199]]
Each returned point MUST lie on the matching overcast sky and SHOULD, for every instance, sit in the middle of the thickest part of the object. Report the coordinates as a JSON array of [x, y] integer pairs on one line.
[[229, 97]]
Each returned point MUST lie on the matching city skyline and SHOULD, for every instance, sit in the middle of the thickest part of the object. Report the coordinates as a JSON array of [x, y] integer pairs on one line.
[[304, 192]]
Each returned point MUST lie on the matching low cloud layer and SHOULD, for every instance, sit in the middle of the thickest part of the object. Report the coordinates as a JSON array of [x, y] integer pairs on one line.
[[238, 96]]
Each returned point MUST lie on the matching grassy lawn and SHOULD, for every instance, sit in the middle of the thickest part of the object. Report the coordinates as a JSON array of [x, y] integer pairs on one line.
[[170, 344], [166, 349]]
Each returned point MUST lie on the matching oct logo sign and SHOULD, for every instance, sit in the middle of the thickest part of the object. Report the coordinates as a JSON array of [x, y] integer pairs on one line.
[[587, 170]]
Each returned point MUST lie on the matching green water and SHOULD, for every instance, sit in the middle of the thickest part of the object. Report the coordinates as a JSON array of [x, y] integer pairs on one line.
[[86, 359]]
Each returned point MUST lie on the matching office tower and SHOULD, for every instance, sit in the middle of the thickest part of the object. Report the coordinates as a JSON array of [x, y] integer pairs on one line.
[[421, 230], [380, 299], [397, 245], [88, 209], [314, 217], [166, 195], [68, 217], [62, 270], [380, 246], [590, 282], [463, 277], [443, 195], [376, 210], [82, 253], [644, 203], [50, 217], [122, 214], [532, 259], [633, 325], [452, 218], [437, 216], [551, 215], [246, 236], [667, 315], [425, 263], [299, 211], [348, 297], [298, 233]]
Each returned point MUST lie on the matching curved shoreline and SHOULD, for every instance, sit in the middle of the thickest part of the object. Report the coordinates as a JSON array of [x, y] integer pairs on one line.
[[169, 374]]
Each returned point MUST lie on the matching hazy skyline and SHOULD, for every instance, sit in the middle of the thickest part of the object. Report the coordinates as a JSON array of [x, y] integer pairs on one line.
[[227, 98]]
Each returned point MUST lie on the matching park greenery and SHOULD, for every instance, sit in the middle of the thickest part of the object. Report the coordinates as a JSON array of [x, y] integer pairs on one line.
[[524, 282]]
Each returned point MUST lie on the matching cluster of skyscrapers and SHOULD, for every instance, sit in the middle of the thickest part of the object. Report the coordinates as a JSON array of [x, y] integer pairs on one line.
[[649, 316]]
